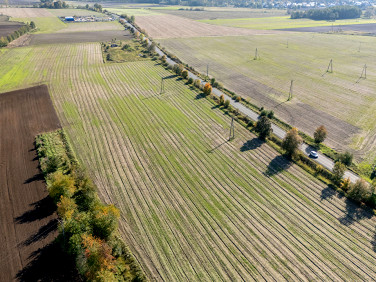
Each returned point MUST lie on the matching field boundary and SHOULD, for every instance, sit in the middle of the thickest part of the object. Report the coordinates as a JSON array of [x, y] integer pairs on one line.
[[114, 258]]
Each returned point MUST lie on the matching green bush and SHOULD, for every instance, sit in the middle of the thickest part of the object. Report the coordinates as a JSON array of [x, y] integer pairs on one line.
[[226, 103], [190, 80]]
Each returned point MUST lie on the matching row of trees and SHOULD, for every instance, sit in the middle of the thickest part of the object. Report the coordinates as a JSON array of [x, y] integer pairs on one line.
[[50, 4], [88, 226], [329, 14], [4, 41], [360, 190]]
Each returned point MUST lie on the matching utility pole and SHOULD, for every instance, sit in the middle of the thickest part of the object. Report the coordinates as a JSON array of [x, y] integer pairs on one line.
[[207, 71], [364, 72], [162, 86], [232, 130], [330, 66], [256, 55], [360, 44], [290, 93]]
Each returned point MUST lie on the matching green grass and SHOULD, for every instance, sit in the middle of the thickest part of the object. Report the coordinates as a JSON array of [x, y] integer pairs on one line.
[[282, 22], [131, 54], [44, 24], [193, 205]]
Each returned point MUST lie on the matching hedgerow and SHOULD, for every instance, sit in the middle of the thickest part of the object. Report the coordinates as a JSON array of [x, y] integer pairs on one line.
[[89, 228]]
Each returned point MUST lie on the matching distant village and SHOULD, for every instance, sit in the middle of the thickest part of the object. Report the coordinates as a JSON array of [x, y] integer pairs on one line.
[[318, 4]]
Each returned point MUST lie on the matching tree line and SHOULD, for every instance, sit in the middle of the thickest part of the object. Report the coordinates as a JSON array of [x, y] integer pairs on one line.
[[4, 41], [329, 14], [50, 4], [88, 230]]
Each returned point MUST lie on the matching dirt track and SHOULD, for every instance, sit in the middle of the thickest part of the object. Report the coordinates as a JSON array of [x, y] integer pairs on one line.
[[28, 221], [79, 37]]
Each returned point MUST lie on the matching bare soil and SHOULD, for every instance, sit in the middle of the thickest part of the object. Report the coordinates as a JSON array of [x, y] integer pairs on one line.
[[28, 221], [7, 28], [168, 26], [79, 37]]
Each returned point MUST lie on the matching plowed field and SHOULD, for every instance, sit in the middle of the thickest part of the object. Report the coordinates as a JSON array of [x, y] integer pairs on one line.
[[168, 26], [193, 205], [27, 219]]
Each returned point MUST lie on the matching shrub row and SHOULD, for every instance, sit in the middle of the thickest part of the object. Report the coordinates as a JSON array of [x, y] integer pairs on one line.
[[4, 41], [88, 230]]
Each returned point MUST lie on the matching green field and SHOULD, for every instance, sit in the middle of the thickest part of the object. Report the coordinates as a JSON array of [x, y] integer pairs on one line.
[[282, 22], [304, 58], [193, 205]]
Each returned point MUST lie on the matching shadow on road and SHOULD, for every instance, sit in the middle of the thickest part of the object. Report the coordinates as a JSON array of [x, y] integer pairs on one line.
[[277, 165], [354, 212], [41, 209], [251, 144], [49, 264]]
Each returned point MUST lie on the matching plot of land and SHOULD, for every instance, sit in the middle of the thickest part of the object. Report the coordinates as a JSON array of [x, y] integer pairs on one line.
[[335, 100], [281, 22], [7, 28], [78, 37], [168, 26], [91, 26], [222, 13], [25, 12], [27, 219], [194, 206], [361, 28]]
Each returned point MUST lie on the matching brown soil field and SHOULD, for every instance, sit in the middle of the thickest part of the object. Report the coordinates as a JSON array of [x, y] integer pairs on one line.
[[25, 12], [28, 221], [79, 37], [7, 28], [169, 26], [91, 27]]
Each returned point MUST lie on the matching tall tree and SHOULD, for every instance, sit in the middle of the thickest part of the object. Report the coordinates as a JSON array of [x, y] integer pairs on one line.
[[264, 127], [320, 134], [291, 141]]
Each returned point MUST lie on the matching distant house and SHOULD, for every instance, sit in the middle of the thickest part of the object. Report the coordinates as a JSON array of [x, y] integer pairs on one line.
[[69, 19]]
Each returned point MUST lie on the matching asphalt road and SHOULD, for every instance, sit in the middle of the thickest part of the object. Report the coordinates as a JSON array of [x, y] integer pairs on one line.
[[279, 132]]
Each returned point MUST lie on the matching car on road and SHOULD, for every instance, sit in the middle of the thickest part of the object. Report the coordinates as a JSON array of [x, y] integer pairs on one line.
[[313, 154]]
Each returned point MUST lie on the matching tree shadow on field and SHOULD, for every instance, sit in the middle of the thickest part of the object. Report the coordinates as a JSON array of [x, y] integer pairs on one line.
[[41, 209], [200, 96], [328, 193], [170, 76], [355, 212], [251, 144], [218, 146], [37, 177], [42, 233], [49, 263], [277, 165]]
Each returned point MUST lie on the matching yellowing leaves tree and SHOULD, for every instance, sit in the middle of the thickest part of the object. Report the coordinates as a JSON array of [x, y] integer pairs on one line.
[[291, 141]]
